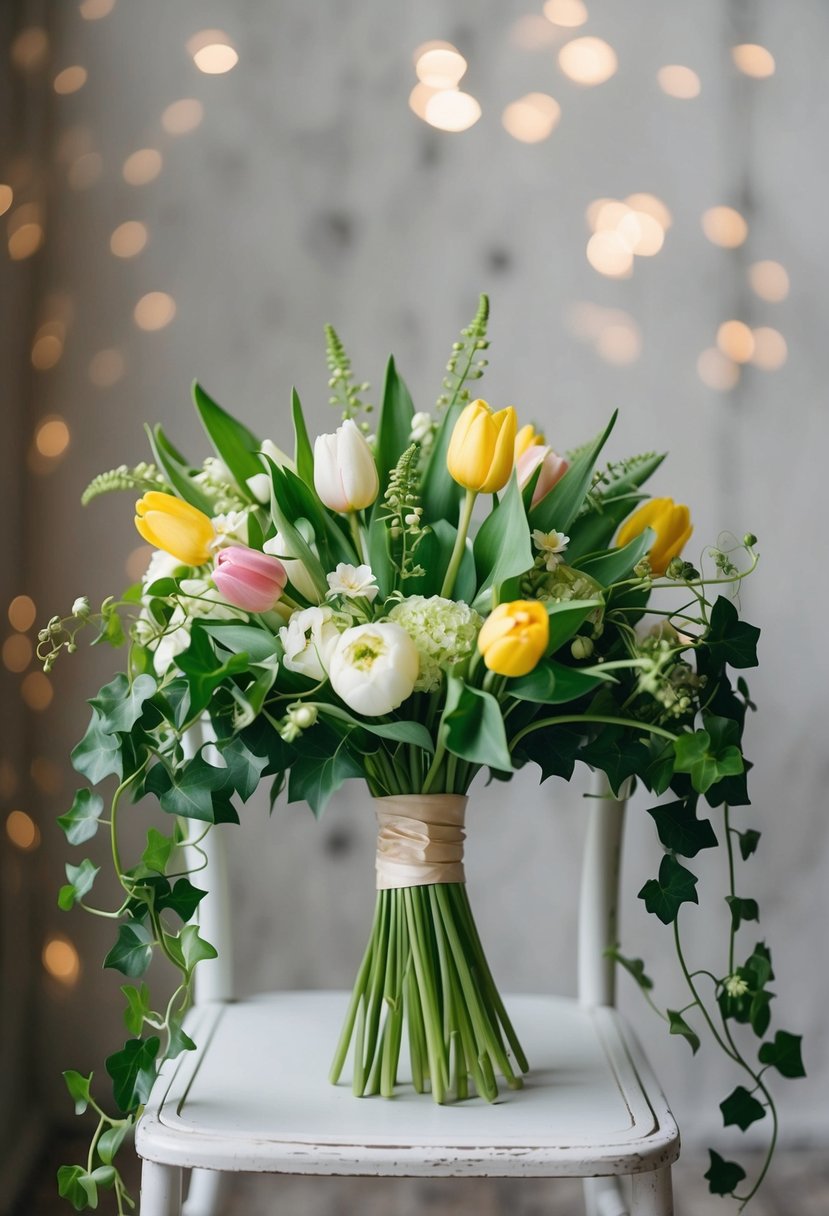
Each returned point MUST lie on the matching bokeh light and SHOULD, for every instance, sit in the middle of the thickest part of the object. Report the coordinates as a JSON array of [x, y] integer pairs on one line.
[[612, 332], [60, 960], [769, 280], [70, 79], [735, 339], [567, 13], [532, 32], [22, 831], [440, 66], [532, 118], [142, 167], [610, 254], [619, 343], [106, 367], [717, 371], [637, 229], [30, 49], [17, 652], [47, 346], [212, 52], [22, 613], [6, 197], [37, 691], [753, 60], [679, 82], [183, 116], [154, 310], [770, 349], [588, 61], [94, 10], [128, 239], [52, 437], [137, 561], [451, 110], [26, 233], [724, 226]]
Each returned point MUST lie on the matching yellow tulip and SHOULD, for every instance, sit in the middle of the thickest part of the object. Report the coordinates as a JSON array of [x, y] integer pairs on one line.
[[173, 525], [481, 450], [527, 437], [670, 521], [514, 637]]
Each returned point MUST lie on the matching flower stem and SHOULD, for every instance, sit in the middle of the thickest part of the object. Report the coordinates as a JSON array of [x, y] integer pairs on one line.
[[460, 544], [356, 536], [605, 718]]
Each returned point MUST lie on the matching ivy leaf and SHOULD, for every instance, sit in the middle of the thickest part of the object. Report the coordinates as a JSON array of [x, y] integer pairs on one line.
[[741, 1108], [749, 839], [706, 758], [183, 899], [729, 639], [189, 948], [179, 1041], [138, 1006], [633, 966], [133, 1072], [244, 766], [784, 1054], [132, 951], [78, 1187], [679, 829], [204, 671], [78, 1086], [660, 768], [120, 704], [678, 1025], [760, 963], [111, 1141], [98, 754], [158, 850], [81, 879], [723, 1176], [759, 1013], [665, 895], [553, 749], [314, 778], [80, 823], [197, 790], [741, 909], [616, 754]]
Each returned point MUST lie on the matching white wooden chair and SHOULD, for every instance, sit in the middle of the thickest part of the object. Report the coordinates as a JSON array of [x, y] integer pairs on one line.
[[244, 1101]]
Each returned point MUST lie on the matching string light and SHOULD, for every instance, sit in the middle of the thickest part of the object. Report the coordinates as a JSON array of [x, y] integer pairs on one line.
[[128, 239], [22, 831], [567, 13], [634, 228], [22, 613], [451, 110], [419, 97], [724, 226], [154, 310], [769, 280], [37, 691], [753, 60], [6, 198], [60, 960], [106, 367], [212, 52], [717, 371], [770, 349], [532, 32], [52, 437], [182, 117], [17, 652], [26, 233], [532, 118], [735, 339], [588, 61], [652, 206], [30, 49], [47, 347], [679, 82], [70, 80], [440, 67], [142, 166]]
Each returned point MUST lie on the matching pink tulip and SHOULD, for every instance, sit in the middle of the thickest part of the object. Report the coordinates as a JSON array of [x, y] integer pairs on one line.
[[249, 579], [553, 468]]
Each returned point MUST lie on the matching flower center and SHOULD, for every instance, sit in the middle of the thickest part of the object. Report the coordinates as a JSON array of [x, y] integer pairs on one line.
[[365, 652]]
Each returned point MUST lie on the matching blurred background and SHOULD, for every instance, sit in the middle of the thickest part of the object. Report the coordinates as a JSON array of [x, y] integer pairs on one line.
[[194, 190]]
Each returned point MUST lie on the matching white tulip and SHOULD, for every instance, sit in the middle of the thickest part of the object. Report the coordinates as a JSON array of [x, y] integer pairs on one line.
[[374, 668], [298, 576], [345, 475], [308, 641]]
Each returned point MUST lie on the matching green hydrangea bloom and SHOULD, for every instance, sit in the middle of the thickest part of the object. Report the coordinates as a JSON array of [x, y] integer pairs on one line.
[[444, 631]]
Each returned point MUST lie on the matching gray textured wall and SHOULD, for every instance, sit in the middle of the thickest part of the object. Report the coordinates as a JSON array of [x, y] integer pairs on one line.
[[311, 193]]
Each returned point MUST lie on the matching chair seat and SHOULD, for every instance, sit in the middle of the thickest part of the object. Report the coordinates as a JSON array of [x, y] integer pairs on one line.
[[255, 1097]]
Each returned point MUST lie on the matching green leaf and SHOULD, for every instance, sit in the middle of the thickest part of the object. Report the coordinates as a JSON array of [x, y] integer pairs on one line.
[[537, 686], [179, 1041], [784, 1054], [595, 527], [243, 766], [249, 640], [295, 542], [617, 564], [103, 1175], [132, 951], [176, 470], [665, 895], [98, 755], [678, 1025], [183, 899], [474, 726], [566, 618], [204, 670], [80, 823], [680, 830], [748, 840], [190, 948], [197, 790], [111, 1141], [741, 1108], [158, 850], [440, 493], [634, 967], [502, 546], [402, 732], [80, 881], [705, 757], [657, 776], [316, 775], [120, 704], [729, 639], [133, 1072], [560, 507], [553, 748], [138, 1006], [394, 427], [78, 1187], [617, 755], [303, 452], [741, 910], [723, 1176], [233, 443], [78, 1086]]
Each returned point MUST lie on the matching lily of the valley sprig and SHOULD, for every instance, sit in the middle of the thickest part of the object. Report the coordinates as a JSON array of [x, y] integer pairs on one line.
[[410, 606]]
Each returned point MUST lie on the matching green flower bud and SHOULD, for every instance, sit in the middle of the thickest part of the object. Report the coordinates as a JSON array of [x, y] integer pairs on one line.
[[581, 648]]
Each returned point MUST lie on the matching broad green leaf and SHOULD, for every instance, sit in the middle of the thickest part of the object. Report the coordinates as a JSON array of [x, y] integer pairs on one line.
[[234, 444], [299, 501], [502, 546], [190, 948], [402, 732], [98, 755], [440, 493], [566, 618], [244, 768], [617, 754], [103, 1175], [474, 726], [80, 880], [595, 527], [183, 899], [634, 967], [249, 640], [314, 777], [204, 670], [138, 1006], [132, 951], [176, 470], [111, 1141], [197, 790], [179, 1041], [723, 1176], [158, 850], [554, 749], [748, 840], [395, 425], [741, 1108], [80, 823], [434, 554], [705, 758], [560, 507], [295, 542], [77, 1186], [741, 910], [678, 1025], [133, 1071], [784, 1054], [552, 683], [729, 639], [78, 1086], [680, 830], [665, 895], [120, 704], [303, 452], [618, 564], [657, 776]]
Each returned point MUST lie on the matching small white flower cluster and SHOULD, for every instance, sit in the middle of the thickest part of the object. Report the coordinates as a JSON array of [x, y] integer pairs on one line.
[[443, 631]]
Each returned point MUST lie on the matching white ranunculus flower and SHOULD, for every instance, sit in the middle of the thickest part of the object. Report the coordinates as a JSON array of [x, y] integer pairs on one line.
[[353, 581], [308, 641], [345, 475], [374, 668], [299, 577]]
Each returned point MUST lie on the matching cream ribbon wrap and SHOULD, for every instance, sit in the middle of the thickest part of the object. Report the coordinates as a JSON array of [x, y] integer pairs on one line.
[[420, 839]]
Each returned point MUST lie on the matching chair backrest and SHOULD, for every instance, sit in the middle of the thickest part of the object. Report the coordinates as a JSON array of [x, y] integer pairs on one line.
[[598, 899]]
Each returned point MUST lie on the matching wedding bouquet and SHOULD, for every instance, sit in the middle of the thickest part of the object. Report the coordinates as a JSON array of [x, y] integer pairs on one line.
[[409, 604]]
